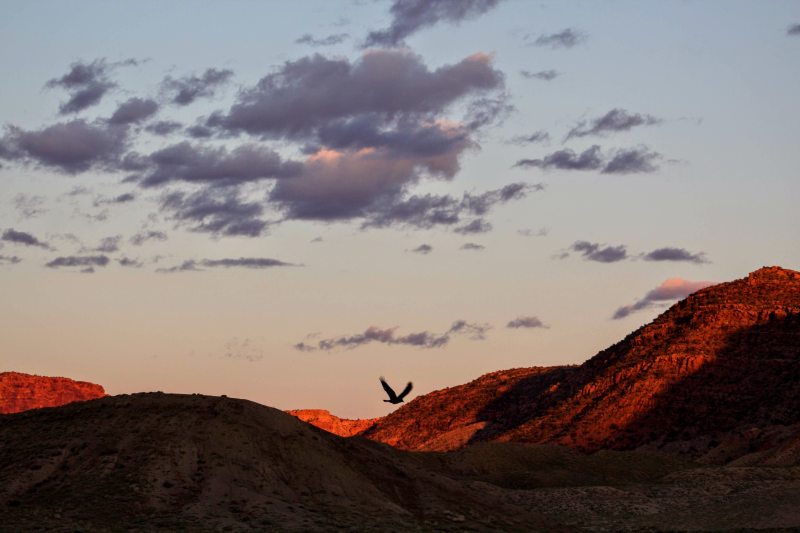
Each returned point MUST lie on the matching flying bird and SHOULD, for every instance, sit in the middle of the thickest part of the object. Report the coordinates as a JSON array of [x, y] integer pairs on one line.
[[395, 398]]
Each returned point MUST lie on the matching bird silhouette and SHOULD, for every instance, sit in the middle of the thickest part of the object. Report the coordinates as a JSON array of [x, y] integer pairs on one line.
[[395, 398]]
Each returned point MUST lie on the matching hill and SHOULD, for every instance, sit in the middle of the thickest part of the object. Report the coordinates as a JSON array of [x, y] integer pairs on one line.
[[20, 392]]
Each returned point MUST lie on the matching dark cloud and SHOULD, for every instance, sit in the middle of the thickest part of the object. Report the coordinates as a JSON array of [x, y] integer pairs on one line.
[[528, 322], [479, 225], [199, 131], [592, 251], [29, 205], [108, 245], [145, 236], [675, 254], [9, 259], [794, 29], [130, 263], [26, 239], [669, 290], [315, 91], [70, 147], [255, 263], [544, 75], [123, 198], [472, 246], [85, 261], [423, 249], [535, 137], [410, 16], [613, 121], [217, 211], [566, 38], [86, 84], [639, 159], [330, 40], [422, 339], [134, 110], [164, 127], [186, 90], [216, 165]]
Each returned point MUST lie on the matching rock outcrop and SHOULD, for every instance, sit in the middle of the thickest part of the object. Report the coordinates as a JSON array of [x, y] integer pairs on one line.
[[323, 419], [21, 392]]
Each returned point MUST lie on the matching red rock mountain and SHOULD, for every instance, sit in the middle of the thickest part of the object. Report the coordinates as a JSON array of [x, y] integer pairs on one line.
[[717, 375], [333, 424], [21, 392]]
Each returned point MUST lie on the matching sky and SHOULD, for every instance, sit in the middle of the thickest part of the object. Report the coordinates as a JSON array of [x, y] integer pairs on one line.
[[283, 201]]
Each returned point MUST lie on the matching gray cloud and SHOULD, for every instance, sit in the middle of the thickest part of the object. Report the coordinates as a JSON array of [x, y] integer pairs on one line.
[[669, 290], [254, 263], [566, 38], [70, 147], [108, 244], [85, 261], [86, 84], [9, 259], [26, 239], [216, 165], [794, 29], [472, 246], [145, 236], [219, 211], [134, 110], [675, 254], [199, 131], [423, 249], [639, 159], [29, 205], [164, 127], [123, 198], [535, 137], [592, 251], [479, 225], [528, 322], [410, 16], [186, 90], [130, 263], [613, 121], [330, 40], [422, 339], [543, 75]]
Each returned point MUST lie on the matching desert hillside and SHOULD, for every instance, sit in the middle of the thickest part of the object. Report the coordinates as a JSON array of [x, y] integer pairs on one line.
[[20, 392]]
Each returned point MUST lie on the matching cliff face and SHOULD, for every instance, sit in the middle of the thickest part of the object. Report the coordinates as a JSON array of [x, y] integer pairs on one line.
[[333, 424], [21, 392], [724, 361]]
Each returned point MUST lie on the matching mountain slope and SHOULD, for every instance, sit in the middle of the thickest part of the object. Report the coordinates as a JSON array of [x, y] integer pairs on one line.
[[20, 392], [724, 361], [344, 427]]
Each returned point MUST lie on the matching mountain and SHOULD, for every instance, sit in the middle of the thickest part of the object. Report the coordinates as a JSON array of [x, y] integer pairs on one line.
[[716, 376], [20, 392], [164, 462], [323, 419]]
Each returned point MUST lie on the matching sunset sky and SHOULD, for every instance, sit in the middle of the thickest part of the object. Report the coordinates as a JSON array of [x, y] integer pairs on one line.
[[283, 201]]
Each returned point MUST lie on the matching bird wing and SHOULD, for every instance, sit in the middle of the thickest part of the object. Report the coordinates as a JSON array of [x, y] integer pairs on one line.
[[388, 389], [406, 390]]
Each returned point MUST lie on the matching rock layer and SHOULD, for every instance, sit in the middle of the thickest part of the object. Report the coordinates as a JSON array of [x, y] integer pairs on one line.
[[21, 392]]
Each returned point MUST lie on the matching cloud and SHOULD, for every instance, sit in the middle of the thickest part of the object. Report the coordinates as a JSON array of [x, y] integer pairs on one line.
[[134, 110], [86, 84], [26, 239], [214, 165], [254, 263], [29, 205], [123, 198], [410, 16], [671, 289], [794, 29], [472, 246], [88, 262], [219, 211], [145, 236], [566, 38], [479, 225], [639, 159], [108, 244], [245, 349], [535, 137], [528, 322], [423, 249], [330, 40], [422, 339], [164, 127], [527, 232], [613, 121], [592, 251], [186, 90], [543, 75], [9, 259], [128, 262], [675, 254], [70, 147]]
